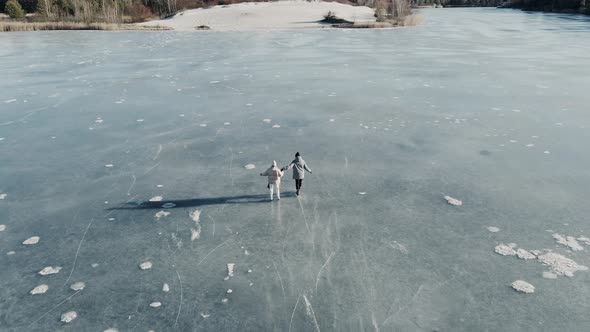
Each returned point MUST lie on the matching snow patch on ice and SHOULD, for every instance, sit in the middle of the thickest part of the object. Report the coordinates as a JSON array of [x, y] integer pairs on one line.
[[584, 240], [2, 228], [108, 165], [568, 241], [196, 231], [266, 120], [523, 287], [166, 288], [250, 166], [276, 126], [156, 199], [68, 316], [561, 265], [145, 265], [50, 270], [549, 275], [230, 269], [3, 196], [32, 240], [78, 286], [504, 250], [453, 201], [493, 229], [41, 289], [155, 304], [524, 254], [161, 214], [10, 253]]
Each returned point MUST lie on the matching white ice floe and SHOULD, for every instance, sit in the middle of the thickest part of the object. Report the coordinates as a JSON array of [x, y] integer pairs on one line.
[[332, 120], [568, 241], [230, 269], [549, 275], [2, 138], [161, 214], [50, 270], [362, 192], [111, 329], [196, 231], [108, 165], [205, 315], [546, 152], [276, 126], [561, 265], [94, 265], [453, 201], [530, 145], [504, 250], [203, 125], [524, 254], [155, 304], [168, 205], [156, 199], [145, 265], [493, 229], [224, 300], [523, 287], [3, 196], [229, 291], [159, 186], [10, 253], [68, 316], [99, 120], [213, 82], [166, 288], [2, 228], [41, 289], [226, 123], [32, 240], [140, 120], [10, 101], [78, 286], [250, 166], [249, 271], [266, 120]]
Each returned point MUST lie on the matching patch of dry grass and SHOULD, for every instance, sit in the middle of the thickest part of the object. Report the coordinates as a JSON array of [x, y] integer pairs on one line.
[[12, 26]]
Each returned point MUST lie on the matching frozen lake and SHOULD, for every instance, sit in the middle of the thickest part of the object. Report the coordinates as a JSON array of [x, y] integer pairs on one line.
[[487, 106]]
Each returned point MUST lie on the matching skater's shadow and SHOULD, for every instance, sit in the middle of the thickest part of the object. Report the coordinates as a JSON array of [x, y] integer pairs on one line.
[[194, 202]]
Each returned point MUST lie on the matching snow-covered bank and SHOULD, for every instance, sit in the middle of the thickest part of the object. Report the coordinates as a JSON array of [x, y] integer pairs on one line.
[[264, 16]]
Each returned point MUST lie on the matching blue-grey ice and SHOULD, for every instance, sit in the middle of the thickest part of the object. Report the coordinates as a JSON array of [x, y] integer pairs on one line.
[[370, 244]]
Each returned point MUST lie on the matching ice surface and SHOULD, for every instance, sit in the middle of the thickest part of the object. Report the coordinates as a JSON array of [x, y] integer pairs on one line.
[[398, 258], [505, 250]]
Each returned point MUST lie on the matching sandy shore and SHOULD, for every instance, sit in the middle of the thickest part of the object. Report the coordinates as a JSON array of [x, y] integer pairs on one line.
[[264, 16]]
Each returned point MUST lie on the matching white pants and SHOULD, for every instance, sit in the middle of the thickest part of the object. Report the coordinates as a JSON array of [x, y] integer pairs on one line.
[[272, 189]]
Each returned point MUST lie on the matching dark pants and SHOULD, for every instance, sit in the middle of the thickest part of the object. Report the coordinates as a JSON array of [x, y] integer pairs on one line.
[[298, 184]]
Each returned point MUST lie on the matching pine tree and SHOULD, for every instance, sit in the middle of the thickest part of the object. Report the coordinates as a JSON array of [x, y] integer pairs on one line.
[[14, 10]]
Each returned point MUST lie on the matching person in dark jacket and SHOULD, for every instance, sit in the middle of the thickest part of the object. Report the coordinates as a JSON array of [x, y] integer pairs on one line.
[[299, 167]]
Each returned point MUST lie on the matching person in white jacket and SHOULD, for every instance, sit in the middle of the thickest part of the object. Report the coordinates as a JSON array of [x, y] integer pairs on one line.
[[274, 175]]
